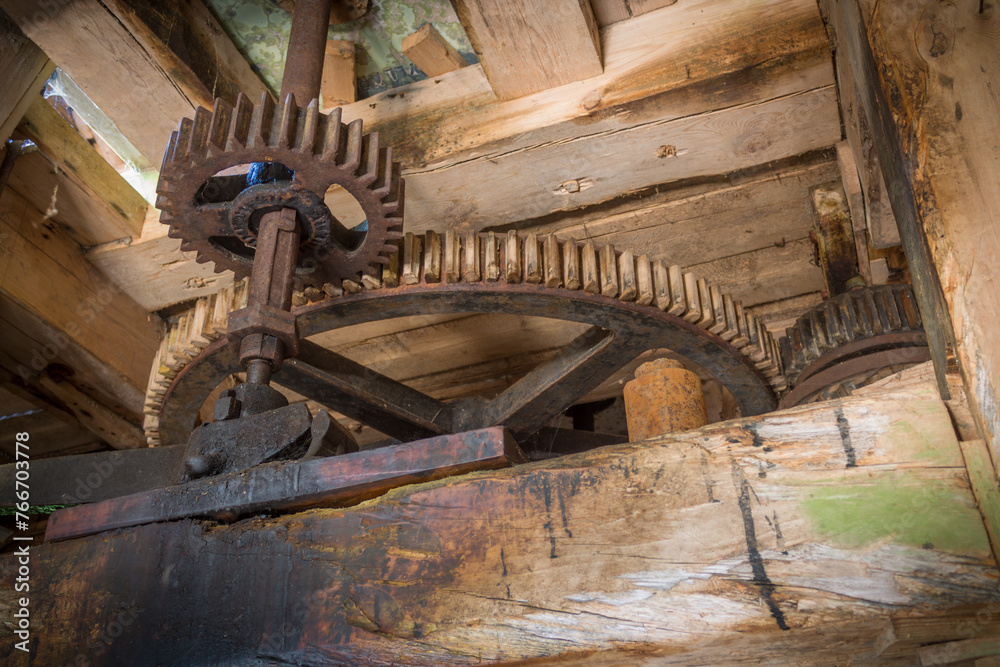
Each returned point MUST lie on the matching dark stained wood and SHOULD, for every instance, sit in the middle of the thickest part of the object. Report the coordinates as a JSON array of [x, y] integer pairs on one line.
[[609, 557], [89, 478], [288, 486]]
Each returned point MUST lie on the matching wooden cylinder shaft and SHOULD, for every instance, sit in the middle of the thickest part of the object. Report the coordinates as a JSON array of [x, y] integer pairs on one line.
[[664, 397]]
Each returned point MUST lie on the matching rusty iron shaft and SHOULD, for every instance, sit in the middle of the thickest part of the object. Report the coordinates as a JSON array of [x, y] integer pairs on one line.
[[306, 46], [265, 329]]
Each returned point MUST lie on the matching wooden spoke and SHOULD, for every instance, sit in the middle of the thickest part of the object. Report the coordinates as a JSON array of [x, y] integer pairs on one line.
[[360, 393], [558, 383]]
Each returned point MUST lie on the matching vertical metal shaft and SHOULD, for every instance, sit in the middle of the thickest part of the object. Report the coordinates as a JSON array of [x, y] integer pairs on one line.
[[306, 47]]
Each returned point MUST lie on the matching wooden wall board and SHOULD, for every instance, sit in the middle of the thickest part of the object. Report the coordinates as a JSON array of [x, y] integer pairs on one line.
[[46, 274], [25, 68], [526, 47], [801, 531], [923, 67]]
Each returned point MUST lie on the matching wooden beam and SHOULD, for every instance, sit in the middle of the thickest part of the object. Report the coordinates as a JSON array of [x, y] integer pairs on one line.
[[765, 523], [526, 47], [188, 42], [124, 209], [126, 66], [431, 52], [91, 325], [954, 653], [611, 11], [110, 427], [339, 85], [26, 68], [920, 70]]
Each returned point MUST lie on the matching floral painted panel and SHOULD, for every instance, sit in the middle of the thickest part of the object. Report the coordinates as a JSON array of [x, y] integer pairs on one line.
[[259, 28]]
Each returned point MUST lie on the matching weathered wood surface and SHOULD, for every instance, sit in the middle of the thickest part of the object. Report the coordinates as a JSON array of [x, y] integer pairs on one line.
[[25, 69], [117, 211], [669, 104], [930, 66], [120, 57], [56, 306], [817, 529], [526, 47], [339, 84], [431, 52]]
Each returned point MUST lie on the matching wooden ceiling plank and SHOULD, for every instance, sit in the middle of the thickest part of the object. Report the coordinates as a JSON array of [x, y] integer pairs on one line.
[[527, 46], [190, 44], [126, 66], [26, 69], [45, 274], [124, 208]]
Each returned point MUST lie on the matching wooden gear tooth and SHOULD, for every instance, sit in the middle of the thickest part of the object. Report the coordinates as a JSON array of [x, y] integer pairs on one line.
[[486, 258]]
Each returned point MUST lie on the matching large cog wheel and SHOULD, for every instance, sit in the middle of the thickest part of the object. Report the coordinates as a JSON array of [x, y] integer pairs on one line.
[[214, 214]]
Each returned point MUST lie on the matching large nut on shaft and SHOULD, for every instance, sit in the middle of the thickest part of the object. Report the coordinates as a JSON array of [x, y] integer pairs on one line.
[[262, 321], [664, 397]]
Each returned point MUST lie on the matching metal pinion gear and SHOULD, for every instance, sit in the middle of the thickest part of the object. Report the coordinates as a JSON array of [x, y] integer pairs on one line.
[[216, 214]]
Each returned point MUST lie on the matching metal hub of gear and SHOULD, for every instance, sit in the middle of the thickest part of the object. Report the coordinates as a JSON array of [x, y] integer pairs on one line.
[[852, 340], [215, 214], [631, 304]]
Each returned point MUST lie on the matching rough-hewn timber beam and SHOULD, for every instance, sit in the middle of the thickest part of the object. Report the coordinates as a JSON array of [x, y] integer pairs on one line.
[[923, 70], [146, 66], [668, 106], [56, 306], [741, 541], [526, 46], [120, 209], [25, 69]]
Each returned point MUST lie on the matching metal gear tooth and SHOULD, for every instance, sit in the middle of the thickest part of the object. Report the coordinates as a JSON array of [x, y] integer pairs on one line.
[[287, 117], [188, 246], [179, 156], [390, 173], [373, 165], [260, 123], [309, 128], [175, 233], [332, 137], [198, 141], [168, 156], [353, 149], [218, 130], [239, 127]]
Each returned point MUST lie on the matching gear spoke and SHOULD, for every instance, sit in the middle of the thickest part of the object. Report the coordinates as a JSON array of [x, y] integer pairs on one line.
[[360, 393], [554, 386]]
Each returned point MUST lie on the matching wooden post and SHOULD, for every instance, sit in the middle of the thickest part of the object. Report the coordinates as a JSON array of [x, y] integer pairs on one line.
[[431, 52], [339, 86]]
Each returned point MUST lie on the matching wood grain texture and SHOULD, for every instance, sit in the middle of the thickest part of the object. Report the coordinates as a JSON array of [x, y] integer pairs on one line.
[[97, 51], [429, 51], [931, 68], [339, 85], [46, 274], [124, 209], [734, 543], [26, 68], [526, 47]]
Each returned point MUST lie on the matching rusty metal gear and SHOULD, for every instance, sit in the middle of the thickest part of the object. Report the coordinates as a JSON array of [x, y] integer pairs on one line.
[[214, 213], [851, 340]]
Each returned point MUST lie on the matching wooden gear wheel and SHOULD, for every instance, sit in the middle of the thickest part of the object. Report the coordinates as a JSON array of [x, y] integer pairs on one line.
[[630, 304]]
